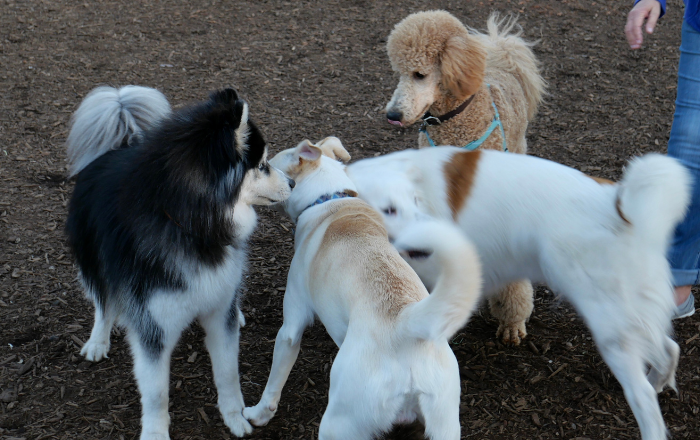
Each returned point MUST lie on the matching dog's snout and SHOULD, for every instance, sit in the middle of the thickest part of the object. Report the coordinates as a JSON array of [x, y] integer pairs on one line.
[[291, 182], [394, 116]]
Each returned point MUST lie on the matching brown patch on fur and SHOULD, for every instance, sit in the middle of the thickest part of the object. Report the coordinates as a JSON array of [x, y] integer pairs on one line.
[[618, 202], [601, 180], [459, 175], [357, 232], [353, 221], [302, 166]]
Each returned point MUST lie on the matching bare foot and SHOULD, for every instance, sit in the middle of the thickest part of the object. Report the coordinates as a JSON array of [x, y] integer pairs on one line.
[[681, 294]]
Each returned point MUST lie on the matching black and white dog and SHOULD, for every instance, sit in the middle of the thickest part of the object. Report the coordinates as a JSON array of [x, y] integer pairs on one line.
[[158, 222]]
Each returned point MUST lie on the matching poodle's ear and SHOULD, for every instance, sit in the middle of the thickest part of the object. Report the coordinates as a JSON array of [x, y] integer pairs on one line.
[[463, 62], [333, 148]]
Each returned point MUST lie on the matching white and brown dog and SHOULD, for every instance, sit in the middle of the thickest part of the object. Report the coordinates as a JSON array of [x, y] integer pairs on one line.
[[394, 364], [601, 245]]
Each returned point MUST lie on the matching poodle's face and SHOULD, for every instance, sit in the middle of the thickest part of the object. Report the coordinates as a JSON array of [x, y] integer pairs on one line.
[[417, 90], [438, 62]]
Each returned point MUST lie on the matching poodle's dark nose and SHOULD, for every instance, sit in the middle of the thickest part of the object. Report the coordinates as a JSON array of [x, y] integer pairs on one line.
[[393, 115], [291, 182]]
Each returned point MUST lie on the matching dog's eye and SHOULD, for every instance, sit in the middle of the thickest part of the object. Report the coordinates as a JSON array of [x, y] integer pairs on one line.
[[262, 166], [418, 75], [389, 211]]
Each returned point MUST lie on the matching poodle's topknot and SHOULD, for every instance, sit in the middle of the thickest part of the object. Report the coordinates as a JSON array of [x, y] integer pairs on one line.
[[419, 39], [437, 38]]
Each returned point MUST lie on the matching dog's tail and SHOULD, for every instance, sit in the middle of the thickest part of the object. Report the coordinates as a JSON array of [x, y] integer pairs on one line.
[[653, 197], [508, 52], [107, 118], [458, 288]]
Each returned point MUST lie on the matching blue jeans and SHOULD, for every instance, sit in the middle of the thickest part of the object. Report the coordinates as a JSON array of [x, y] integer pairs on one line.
[[684, 145]]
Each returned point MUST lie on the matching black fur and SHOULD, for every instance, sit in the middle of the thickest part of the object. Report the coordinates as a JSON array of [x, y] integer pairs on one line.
[[138, 213]]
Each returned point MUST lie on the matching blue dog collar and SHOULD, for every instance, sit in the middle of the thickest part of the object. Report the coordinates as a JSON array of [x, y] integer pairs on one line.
[[473, 145], [328, 197]]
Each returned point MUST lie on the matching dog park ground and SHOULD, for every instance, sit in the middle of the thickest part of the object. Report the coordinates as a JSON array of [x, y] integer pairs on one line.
[[308, 70]]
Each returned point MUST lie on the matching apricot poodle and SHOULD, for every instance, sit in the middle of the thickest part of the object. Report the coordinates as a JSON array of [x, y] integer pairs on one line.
[[471, 90]]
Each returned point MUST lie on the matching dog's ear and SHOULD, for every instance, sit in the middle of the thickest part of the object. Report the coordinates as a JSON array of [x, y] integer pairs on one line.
[[306, 151], [225, 96], [462, 65], [333, 148]]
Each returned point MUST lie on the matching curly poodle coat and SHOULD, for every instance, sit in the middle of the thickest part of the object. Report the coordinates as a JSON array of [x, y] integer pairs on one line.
[[441, 65]]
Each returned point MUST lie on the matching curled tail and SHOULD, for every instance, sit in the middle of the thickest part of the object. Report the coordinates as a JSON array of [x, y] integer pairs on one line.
[[107, 116], [508, 52], [653, 196], [458, 288]]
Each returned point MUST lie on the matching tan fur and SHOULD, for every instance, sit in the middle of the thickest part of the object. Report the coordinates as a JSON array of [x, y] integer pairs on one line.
[[459, 175], [512, 306], [602, 180], [333, 148], [466, 61], [355, 235]]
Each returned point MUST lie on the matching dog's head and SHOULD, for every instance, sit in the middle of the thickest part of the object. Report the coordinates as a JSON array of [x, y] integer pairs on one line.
[[438, 62], [221, 154], [389, 186], [316, 170]]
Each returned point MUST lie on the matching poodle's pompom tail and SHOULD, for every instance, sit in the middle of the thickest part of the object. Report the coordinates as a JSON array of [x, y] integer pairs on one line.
[[107, 117], [509, 52]]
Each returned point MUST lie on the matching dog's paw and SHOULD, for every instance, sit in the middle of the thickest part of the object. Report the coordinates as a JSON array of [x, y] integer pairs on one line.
[[95, 351], [511, 333], [238, 424], [259, 415], [154, 436]]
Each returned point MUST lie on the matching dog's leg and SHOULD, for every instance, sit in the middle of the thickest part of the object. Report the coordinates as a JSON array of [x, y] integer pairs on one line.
[[628, 368], [441, 417], [512, 306], [659, 379], [287, 345], [355, 412], [440, 408], [97, 346], [152, 348], [614, 338], [223, 333]]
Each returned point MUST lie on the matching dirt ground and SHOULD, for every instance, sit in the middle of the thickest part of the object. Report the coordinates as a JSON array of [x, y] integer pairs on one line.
[[309, 70]]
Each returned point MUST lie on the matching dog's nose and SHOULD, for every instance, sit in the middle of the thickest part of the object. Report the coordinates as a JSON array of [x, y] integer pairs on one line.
[[291, 182], [393, 115]]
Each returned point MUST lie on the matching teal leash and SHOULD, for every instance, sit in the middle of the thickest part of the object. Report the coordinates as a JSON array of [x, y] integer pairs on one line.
[[428, 119]]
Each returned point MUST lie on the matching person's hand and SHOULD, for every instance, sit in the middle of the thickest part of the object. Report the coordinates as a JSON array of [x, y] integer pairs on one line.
[[648, 10]]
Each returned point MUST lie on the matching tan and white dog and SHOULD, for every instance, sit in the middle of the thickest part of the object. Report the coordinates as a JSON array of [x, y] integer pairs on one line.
[[601, 245], [394, 364]]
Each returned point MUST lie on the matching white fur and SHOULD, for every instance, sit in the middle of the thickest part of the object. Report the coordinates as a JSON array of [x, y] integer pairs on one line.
[[535, 219], [131, 109], [389, 369]]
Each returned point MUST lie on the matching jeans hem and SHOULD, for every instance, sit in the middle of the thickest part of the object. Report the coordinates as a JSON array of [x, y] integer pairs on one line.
[[685, 277]]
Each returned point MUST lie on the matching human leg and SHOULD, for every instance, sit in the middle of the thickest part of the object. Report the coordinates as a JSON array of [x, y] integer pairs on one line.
[[684, 145]]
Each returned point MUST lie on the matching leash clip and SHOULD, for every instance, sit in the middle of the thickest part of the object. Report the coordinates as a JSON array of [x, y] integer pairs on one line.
[[432, 120]]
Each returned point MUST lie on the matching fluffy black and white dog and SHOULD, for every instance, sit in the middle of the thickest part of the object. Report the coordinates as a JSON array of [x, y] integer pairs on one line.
[[158, 223]]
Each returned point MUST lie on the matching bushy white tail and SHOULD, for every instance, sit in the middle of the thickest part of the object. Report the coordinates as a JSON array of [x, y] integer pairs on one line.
[[108, 115], [510, 53], [458, 288], [654, 195]]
